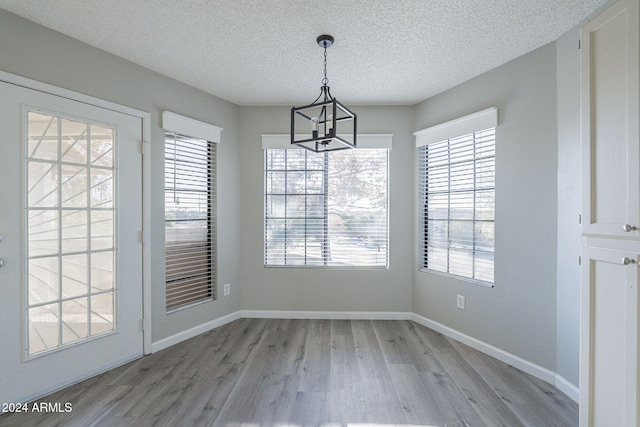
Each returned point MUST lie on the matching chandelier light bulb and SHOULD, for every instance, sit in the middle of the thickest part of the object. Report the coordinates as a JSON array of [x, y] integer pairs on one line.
[[314, 127]]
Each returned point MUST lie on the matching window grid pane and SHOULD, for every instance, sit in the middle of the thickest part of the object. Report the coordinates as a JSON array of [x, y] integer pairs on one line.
[[69, 262], [326, 210], [457, 199], [189, 221]]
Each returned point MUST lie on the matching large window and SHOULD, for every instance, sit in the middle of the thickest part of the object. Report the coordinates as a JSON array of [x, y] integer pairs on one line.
[[189, 220], [456, 196], [457, 193], [326, 209]]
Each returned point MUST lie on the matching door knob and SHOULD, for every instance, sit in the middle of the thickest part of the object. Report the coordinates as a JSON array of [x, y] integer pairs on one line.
[[1, 262], [626, 261], [629, 227]]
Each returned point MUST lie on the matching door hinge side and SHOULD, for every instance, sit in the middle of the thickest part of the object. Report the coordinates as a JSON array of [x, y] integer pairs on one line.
[[143, 149]]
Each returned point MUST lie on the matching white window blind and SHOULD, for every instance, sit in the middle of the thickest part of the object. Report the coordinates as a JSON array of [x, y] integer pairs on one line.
[[190, 232], [326, 209], [457, 200]]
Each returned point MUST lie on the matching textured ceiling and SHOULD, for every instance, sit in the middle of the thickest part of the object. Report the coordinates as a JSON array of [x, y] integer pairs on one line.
[[263, 52]]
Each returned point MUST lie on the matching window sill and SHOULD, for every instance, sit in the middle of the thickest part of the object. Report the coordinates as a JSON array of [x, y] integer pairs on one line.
[[190, 305], [455, 277]]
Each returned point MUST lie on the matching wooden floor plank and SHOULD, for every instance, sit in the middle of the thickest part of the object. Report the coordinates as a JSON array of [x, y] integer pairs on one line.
[[417, 402], [531, 399], [317, 358], [268, 387], [346, 399], [481, 397], [310, 409], [383, 405], [268, 372], [451, 402], [401, 345], [341, 327]]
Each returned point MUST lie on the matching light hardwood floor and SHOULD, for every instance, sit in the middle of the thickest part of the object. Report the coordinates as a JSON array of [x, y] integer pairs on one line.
[[259, 372]]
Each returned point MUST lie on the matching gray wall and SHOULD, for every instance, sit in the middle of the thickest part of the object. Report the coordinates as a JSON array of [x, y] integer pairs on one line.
[[518, 315], [319, 289], [32, 51], [569, 206]]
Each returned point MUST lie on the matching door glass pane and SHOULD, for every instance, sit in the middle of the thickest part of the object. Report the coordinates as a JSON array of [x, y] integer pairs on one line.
[[43, 232], [74, 142], [71, 228], [101, 230], [102, 271], [44, 280], [75, 325], [43, 327], [42, 185], [101, 188], [74, 231], [43, 137], [74, 275], [74, 186], [102, 313], [101, 146]]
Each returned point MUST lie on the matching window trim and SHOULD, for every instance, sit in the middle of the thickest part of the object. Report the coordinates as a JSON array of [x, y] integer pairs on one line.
[[465, 125], [186, 126], [283, 141]]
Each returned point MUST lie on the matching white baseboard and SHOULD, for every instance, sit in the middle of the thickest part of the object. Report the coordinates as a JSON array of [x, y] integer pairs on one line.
[[329, 315], [196, 330], [511, 359], [567, 388], [517, 362]]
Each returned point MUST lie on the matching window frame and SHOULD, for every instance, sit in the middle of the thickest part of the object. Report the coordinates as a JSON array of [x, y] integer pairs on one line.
[[194, 252], [482, 121], [178, 125], [365, 142]]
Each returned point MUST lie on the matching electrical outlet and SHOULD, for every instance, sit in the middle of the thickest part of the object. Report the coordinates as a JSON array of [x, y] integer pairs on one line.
[[227, 289], [460, 302]]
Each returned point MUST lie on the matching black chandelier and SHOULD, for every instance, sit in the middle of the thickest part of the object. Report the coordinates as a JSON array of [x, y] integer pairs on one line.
[[317, 123]]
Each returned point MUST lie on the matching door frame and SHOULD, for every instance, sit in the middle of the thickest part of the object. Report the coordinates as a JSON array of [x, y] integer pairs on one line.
[[144, 148]]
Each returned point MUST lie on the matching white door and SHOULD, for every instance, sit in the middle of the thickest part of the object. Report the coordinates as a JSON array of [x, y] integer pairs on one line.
[[610, 88], [609, 338], [70, 217], [610, 83]]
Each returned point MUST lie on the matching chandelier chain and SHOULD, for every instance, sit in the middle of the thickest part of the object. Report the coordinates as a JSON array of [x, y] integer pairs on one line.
[[325, 81]]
